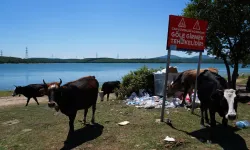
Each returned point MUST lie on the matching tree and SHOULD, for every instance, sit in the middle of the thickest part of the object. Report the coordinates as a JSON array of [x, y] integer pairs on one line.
[[228, 33]]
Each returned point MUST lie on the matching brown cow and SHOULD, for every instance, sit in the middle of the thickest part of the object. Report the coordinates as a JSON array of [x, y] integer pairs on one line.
[[185, 82], [74, 96]]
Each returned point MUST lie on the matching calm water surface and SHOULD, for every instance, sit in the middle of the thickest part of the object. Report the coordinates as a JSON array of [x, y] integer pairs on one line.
[[23, 74]]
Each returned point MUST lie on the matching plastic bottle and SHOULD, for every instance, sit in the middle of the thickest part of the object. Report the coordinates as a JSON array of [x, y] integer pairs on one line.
[[242, 124]]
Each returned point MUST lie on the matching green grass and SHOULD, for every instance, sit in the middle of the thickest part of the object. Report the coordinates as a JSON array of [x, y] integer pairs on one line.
[[242, 79], [49, 131], [5, 93]]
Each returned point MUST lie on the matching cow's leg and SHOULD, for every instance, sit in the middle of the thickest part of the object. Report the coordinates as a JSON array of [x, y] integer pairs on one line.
[[93, 113], [28, 100], [85, 115], [107, 96], [206, 116], [116, 94], [213, 124], [36, 100], [71, 122], [184, 96], [202, 117], [190, 96], [72, 117]]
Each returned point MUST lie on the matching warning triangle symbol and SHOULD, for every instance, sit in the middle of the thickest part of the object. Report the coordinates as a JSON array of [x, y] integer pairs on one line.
[[182, 23], [196, 25]]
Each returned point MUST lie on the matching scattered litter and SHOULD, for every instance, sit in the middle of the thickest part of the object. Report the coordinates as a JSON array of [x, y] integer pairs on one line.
[[11, 122], [169, 139], [144, 100], [175, 144], [123, 123], [26, 130], [243, 124], [157, 120]]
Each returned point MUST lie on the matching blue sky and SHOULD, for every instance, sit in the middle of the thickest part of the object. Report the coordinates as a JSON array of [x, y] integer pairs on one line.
[[82, 28]]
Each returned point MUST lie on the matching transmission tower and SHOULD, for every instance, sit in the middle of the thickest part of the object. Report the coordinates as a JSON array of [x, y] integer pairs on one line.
[[96, 55], [117, 56], [26, 53], [1, 53]]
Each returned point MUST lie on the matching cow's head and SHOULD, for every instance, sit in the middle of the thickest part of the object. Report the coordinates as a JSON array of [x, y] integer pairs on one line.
[[17, 91], [51, 84], [53, 92], [228, 102], [173, 87]]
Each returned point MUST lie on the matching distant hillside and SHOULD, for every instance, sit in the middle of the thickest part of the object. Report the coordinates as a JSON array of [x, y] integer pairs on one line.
[[166, 56], [174, 59]]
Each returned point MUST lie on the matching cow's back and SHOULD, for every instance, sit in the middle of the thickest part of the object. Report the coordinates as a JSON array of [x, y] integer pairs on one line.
[[109, 86], [207, 83], [33, 90], [189, 76], [81, 93]]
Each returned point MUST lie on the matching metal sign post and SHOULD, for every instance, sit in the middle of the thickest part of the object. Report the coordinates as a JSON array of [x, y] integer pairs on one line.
[[165, 86], [195, 91], [184, 34]]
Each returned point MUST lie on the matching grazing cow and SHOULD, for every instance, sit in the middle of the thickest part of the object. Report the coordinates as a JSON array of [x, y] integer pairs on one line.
[[108, 87], [214, 95], [74, 96], [185, 82], [32, 91]]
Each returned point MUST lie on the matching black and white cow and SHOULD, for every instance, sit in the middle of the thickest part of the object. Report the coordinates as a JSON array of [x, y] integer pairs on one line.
[[215, 96]]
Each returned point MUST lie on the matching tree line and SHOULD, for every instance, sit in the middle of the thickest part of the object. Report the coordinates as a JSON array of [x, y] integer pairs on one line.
[[103, 60]]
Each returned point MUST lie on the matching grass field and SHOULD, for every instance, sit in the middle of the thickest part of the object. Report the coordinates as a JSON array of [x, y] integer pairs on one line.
[[49, 130], [39, 127], [5, 93]]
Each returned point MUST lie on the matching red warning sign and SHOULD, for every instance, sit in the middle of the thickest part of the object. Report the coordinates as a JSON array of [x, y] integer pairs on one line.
[[186, 34]]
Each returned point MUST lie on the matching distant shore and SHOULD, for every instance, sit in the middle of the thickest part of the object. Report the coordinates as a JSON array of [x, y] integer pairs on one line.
[[15, 60]]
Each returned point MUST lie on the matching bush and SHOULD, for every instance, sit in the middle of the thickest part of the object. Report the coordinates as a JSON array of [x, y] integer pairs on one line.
[[142, 78]]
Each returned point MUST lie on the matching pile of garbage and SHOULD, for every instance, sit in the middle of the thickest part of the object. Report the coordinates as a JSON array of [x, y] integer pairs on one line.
[[144, 100], [171, 70]]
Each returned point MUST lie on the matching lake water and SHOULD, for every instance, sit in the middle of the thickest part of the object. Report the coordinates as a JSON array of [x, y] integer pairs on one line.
[[23, 74]]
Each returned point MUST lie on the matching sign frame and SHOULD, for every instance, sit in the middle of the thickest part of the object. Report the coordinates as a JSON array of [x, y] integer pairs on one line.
[[193, 31], [170, 46]]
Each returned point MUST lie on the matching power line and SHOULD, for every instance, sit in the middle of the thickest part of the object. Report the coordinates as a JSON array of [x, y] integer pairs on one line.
[[26, 53]]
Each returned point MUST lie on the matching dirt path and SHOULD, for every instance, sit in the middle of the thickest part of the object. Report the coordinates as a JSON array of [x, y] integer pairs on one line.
[[7, 101]]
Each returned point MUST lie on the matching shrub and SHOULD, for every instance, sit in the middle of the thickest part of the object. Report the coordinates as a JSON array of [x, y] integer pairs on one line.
[[141, 78]]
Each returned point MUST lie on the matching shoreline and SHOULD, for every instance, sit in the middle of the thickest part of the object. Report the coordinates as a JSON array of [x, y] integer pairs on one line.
[[116, 63]]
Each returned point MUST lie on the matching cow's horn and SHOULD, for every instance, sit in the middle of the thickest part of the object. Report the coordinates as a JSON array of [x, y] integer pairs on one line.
[[44, 82], [60, 81]]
